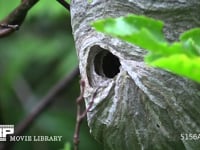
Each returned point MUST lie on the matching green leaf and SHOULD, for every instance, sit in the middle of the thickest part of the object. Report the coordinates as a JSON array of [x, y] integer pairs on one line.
[[191, 40], [139, 30], [68, 1], [180, 57], [131, 24], [191, 34], [67, 146], [180, 64]]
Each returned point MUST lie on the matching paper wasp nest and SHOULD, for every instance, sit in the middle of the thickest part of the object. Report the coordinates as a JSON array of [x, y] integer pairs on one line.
[[137, 107]]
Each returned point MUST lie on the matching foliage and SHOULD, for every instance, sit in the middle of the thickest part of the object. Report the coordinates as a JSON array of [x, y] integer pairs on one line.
[[67, 146], [32, 60], [181, 57], [41, 9], [68, 1]]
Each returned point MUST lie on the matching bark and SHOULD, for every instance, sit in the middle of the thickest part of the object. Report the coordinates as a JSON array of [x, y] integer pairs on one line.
[[137, 106]]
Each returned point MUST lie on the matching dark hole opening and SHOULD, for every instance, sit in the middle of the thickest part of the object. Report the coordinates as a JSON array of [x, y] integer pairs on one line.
[[158, 125], [106, 64]]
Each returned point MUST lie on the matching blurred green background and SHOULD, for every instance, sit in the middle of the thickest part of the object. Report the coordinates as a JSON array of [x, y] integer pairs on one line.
[[32, 60]]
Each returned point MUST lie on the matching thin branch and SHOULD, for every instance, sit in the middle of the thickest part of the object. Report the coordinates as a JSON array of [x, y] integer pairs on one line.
[[14, 27], [43, 104], [14, 20], [81, 115], [64, 4], [24, 93], [46, 101]]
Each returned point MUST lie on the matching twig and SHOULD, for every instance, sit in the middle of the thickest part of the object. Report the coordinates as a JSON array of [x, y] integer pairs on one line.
[[14, 20], [81, 115], [46, 101], [44, 104], [14, 27], [24, 93], [64, 4]]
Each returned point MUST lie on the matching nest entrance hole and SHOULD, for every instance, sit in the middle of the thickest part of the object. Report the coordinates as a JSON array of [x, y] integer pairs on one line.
[[106, 64]]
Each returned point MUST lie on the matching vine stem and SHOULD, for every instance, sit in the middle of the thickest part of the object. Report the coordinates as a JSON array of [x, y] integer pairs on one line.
[[81, 115]]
